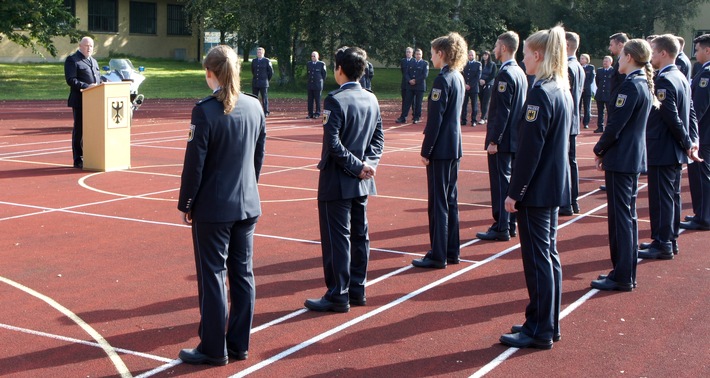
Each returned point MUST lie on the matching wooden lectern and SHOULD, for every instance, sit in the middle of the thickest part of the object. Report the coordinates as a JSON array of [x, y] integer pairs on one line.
[[107, 126]]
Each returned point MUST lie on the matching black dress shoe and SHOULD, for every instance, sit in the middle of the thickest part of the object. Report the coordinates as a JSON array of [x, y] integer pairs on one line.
[[603, 276], [608, 285], [575, 208], [599, 130], [653, 253], [644, 245], [689, 218], [521, 340], [400, 120], [427, 262], [324, 305], [513, 232], [602, 187], [693, 225], [239, 355], [674, 246], [453, 260], [195, 357], [519, 328], [494, 235], [357, 300], [79, 165], [566, 211]]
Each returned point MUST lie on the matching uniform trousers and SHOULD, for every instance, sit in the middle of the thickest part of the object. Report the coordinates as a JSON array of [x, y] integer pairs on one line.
[[621, 194], [602, 106], [443, 208], [77, 135], [314, 97], [484, 96], [473, 96], [573, 169], [699, 178], [224, 251], [586, 108], [345, 247], [664, 204], [409, 102], [417, 104], [264, 97], [500, 167], [543, 271]]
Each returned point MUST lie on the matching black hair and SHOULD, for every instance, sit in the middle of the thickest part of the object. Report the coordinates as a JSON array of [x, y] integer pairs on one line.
[[352, 61]]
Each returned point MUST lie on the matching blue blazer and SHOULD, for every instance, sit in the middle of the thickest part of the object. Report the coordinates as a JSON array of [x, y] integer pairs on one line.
[[603, 84], [316, 73], [442, 134], [576, 85], [589, 76], [352, 135], [419, 72], [700, 89], [80, 72], [683, 64], [623, 143], [223, 159], [506, 108], [262, 71], [472, 75]]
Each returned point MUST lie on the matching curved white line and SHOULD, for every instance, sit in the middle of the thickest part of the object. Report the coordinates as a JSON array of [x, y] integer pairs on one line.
[[110, 351]]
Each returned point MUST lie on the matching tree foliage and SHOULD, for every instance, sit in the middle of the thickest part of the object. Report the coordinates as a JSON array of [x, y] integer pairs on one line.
[[30, 23]]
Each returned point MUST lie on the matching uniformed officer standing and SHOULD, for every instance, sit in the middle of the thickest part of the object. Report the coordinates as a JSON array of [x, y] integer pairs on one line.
[[509, 90], [405, 65], [316, 72], [219, 197], [489, 70], [616, 43], [81, 71], [441, 151], [366, 79], [699, 172], [353, 141], [589, 75], [539, 184], [262, 71], [471, 76], [682, 61], [621, 154], [576, 80], [418, 84], [603, 95], [669, 144]]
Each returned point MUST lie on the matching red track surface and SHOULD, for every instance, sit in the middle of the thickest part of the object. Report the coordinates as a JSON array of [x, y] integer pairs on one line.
[[110, 249]]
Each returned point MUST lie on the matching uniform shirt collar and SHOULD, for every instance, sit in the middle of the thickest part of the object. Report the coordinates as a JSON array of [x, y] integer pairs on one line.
[[666, 68], [706, 64], [633, 73], [349, 83], [510, 61]]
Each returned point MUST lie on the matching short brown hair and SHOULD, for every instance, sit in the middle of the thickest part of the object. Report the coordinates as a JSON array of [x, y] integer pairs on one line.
[[619, 37], [668, 43], [510, 40]]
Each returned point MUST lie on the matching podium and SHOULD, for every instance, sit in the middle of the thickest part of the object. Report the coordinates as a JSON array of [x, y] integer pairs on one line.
[[107, 126]]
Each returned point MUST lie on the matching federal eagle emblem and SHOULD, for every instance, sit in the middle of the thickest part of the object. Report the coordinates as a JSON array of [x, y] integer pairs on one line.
[[191, 133], [703, 82], [117, 111], [326, 115], [435, 94], [621, 101], [502, 86], [661, 94], [531, 113]]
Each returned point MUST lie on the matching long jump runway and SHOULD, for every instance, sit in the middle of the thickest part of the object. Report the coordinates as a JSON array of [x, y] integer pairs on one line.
[[97, 271]]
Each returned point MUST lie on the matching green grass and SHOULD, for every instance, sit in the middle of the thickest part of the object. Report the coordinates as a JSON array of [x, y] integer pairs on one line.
[[169, 79]]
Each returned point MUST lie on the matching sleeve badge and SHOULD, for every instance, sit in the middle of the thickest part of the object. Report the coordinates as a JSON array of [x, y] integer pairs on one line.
[[531, 113], [435, 94], [191, 133], [621, 100], [502, 86], [703, 82], [326, 115], [661, 94]]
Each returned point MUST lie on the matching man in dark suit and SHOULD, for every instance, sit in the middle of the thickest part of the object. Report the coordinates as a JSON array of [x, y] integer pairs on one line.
[[316, 72], [699, 172], [616, 43], [418, 84], [406, 66], [262, 71], [603, 95], [589, 75], [353, 140], [366, 79], [471, 76], [576, 86], [81, 71], [669, 141], [509, 90], [682, 61]]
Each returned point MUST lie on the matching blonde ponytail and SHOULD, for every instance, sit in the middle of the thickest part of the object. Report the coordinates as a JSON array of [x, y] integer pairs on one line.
[[552, 45], [224, 63]]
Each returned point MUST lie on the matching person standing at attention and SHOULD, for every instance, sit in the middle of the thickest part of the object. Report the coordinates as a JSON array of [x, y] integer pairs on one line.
[[589, 75], [81, 71], [262, 71], [316, 72], [220, 199], [353, 141], [603, 95], [441, 151], [540, 184], [471, 75]]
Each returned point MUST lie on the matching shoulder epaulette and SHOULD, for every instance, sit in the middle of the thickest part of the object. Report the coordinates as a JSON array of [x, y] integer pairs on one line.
[[205, 100], [333, 93], [250, 95]]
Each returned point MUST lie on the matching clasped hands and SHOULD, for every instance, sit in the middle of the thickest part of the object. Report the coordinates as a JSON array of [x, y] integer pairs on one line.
[[367, 172]]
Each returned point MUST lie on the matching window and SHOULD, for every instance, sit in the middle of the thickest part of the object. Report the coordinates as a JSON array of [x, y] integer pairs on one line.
[[103, 15], [143, 18], [177, 21]]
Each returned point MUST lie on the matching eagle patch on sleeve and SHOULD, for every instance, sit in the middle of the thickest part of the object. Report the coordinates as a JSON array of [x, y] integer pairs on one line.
[[326, 115], [502, 86], [435, 94], [191, 133], [621, 100], [531, 113], [703, 82], [661, 94]]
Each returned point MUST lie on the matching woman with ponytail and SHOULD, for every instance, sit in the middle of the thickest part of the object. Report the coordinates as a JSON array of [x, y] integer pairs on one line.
[[621, 154], [220, 199], [540, 184]]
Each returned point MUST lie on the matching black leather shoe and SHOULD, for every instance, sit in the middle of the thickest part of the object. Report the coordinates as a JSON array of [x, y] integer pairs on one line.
[[427, 262], [674, 246], [463, 122], [513, 233], [599, 130], [693, 225], [239, 355], [453, 260], [400, 120], [644, 245], [575, 208], [324, 305], [653, 253], [608, 285], [566, 211], [689, 218], [357, 300], [519, 328], [602, 187], [521, 340], [195, 357], [603, 276], [494, 235]]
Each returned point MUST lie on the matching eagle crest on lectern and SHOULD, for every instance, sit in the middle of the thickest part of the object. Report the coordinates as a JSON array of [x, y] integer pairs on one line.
[[117, 111]]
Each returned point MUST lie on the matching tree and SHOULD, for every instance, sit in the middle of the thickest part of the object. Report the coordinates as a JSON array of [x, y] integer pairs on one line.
[[36, 22]]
